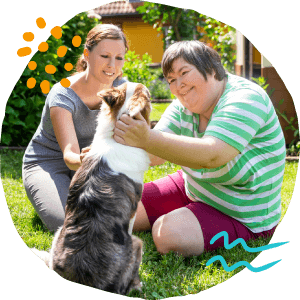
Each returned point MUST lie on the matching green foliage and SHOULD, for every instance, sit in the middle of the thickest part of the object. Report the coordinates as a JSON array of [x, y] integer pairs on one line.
[[182, 23], [294, 146], [262, 82], [138, 70], [159, 89], [222, 37], [24, 106]]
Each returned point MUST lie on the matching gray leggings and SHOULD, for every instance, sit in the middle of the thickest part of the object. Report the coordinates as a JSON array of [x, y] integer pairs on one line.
[[47, 187]]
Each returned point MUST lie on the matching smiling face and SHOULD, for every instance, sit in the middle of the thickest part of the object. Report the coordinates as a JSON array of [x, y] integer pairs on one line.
[[192, 90], [106, 60]]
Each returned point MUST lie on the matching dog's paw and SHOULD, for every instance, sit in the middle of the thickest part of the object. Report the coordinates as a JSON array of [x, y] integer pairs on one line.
[[43, 255]]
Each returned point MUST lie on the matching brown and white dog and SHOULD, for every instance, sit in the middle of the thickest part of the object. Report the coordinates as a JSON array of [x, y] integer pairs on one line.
[[94, 246]]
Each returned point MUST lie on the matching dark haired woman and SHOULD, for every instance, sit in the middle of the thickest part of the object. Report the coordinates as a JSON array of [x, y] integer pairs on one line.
[[224, 132], [68, 124]]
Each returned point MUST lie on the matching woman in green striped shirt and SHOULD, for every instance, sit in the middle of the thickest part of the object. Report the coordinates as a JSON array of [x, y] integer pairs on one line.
[[223, 131]]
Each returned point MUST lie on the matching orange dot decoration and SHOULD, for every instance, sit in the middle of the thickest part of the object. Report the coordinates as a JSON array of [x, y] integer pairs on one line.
[[61, 51], [31, 82], [28, 36], [65, 82], [43, 46], [24, 51], [45, 86], [56, 32], [40, 22], [76, 41], [68, 66], [32, 65], [50, 69]]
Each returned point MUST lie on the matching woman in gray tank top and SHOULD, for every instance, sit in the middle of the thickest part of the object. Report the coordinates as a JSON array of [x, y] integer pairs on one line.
[[68, 123]]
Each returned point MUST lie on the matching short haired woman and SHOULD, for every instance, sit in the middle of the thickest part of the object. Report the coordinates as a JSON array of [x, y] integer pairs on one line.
[[223, 131]]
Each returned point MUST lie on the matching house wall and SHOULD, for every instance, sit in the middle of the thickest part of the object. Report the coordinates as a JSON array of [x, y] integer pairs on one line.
[[240, 55], [142, 38]]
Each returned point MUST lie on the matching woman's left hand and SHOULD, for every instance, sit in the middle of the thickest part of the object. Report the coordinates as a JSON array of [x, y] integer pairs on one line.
[[84, 152], [133, 132]]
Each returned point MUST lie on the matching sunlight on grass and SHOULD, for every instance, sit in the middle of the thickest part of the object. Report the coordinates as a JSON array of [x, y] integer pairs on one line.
[[162, 276], [157, 110]]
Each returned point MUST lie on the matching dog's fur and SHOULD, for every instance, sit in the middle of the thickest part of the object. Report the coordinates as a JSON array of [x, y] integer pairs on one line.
[[94, 246]]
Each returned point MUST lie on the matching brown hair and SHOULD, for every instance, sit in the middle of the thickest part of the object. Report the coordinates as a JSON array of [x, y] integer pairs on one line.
[[196, 53], [96, 35]]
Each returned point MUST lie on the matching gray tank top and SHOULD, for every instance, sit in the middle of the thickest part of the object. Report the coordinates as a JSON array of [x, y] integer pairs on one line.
[[43, 145]]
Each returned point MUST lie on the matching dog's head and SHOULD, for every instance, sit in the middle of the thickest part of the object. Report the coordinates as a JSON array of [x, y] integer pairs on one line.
[[114, 105]]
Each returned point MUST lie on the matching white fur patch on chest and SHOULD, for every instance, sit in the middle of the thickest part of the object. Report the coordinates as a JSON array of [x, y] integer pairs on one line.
[[130, 161]]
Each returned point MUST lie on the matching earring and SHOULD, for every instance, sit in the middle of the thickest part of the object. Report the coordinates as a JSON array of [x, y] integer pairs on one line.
[[86, 53]]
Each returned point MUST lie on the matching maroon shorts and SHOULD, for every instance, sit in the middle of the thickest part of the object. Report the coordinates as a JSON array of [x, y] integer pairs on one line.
[[167, 194]]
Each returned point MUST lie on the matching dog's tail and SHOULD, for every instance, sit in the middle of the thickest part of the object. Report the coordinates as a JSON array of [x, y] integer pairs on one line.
[[43, 255]]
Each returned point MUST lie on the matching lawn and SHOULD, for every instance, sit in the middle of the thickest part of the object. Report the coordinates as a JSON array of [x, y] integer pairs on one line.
[[162, 276], [157, 110]]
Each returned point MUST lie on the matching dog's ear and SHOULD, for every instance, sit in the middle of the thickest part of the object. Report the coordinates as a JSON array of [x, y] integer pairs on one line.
[[140, 102], [110, 96]]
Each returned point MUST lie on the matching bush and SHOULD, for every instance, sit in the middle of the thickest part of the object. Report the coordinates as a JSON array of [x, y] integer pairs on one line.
[[24, 106], [138, 70], [159, 89]]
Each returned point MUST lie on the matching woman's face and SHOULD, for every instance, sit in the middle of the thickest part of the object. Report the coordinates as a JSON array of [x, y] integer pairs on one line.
[[192, 90], [106, 60]]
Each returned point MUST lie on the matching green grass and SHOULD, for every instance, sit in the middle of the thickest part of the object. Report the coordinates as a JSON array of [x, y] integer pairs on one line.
[[162, 275], [157, 110]]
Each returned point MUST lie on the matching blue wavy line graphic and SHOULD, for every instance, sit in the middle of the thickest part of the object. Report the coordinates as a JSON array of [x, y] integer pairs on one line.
[[245, 246], [240, 263]]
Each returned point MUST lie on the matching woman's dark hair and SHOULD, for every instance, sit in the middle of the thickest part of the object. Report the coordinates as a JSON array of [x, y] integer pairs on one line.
[[196, 53], [96, 35]]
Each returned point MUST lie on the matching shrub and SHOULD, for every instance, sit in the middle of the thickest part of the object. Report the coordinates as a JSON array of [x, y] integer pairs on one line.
[[159, 89], [24, 106], [138, 70]]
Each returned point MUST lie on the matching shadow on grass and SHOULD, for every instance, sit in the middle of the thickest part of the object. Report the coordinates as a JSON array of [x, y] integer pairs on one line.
[[37, 223]]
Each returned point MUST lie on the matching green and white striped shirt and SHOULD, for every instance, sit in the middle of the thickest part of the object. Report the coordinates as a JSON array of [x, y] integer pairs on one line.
[[248, 188]]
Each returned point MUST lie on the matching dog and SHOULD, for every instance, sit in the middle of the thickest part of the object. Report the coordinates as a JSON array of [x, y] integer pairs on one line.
[[95, 245]]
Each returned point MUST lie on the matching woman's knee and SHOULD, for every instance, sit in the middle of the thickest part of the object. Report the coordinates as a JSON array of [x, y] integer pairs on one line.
[[161, 234], [178, 231], [48, 194]]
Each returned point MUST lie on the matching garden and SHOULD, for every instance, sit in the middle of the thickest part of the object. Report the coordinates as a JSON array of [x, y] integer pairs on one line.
[[162, 275]]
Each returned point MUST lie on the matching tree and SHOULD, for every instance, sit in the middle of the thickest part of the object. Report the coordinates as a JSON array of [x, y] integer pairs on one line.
[[183, 24], [180, 24]]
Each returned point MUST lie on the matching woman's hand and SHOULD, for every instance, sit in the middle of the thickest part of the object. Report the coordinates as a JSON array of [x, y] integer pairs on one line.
[[133, 132], [84, 152]]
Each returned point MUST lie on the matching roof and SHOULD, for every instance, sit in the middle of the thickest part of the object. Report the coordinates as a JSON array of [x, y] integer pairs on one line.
[[117, 8]]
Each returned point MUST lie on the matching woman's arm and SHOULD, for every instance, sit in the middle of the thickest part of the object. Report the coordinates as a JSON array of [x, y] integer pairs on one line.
[[66, 136], [206, 152], [155, 160]]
